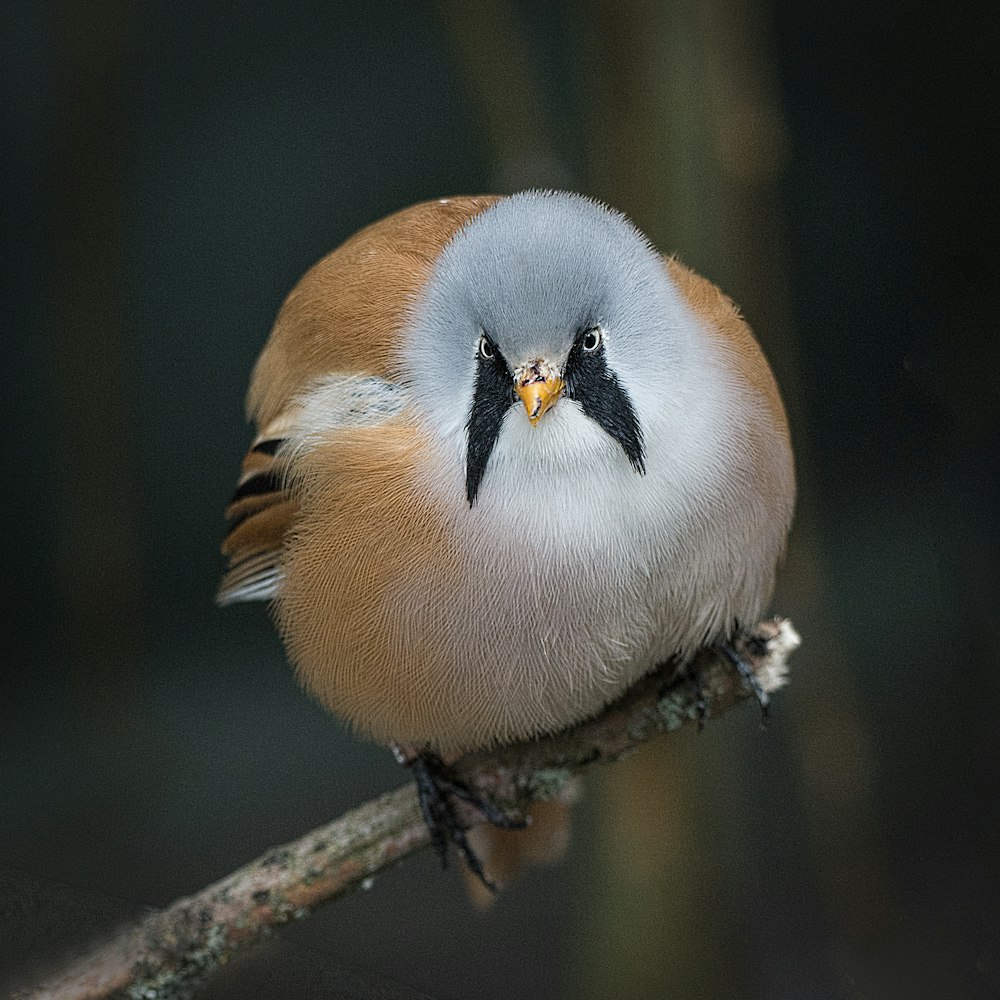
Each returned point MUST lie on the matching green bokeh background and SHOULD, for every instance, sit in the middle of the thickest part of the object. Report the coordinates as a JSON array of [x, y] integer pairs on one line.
[[170, 170]]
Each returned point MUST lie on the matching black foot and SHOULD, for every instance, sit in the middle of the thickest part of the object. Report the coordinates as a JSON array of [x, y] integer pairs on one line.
[[749, 679], [435, 783], [700, 702]]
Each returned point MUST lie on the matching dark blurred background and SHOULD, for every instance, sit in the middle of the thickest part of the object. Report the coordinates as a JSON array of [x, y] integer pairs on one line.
[[169, 170]]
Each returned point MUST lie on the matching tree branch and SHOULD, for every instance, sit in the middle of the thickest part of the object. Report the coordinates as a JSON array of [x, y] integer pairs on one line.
[[171, 952]]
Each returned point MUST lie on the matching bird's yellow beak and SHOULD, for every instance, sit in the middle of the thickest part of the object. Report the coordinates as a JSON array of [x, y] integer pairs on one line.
[[539, 385]]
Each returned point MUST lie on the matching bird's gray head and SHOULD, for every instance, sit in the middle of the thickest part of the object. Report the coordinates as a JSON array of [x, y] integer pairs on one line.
[[542, 296]]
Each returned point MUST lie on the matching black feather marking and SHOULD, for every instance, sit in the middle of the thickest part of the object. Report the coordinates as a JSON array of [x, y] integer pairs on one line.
[[596, 388], [269, 446], [257, 485], [493, 397]]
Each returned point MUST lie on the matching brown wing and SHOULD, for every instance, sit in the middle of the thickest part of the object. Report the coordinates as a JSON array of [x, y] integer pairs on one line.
[[344, 316]]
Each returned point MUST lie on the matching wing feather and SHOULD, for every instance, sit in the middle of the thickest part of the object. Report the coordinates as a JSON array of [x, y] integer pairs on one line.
[[259, 515], [340, 323]]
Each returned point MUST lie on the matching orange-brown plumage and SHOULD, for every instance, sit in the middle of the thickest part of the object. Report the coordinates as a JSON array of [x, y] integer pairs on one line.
[[346, 313], [364, 527]]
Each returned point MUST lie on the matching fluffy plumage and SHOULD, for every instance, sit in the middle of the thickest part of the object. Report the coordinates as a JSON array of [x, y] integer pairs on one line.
[[425, 619]]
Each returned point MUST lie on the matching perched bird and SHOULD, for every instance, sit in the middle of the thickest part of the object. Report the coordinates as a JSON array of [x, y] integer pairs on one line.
[[509, 459]]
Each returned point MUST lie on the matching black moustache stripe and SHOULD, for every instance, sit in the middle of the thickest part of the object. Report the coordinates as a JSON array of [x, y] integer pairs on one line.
[[492, 398], [596, 388]]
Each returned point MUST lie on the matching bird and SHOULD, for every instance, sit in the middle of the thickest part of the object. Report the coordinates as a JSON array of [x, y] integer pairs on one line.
[[508, 460]]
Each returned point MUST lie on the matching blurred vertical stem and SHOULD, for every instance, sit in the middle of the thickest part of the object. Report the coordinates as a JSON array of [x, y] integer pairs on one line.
[[493, 52], [652, 930], [688, 138], [838, 804], [93, 376]]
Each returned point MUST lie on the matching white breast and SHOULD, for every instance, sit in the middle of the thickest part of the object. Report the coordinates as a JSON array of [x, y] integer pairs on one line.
[[577, 574]]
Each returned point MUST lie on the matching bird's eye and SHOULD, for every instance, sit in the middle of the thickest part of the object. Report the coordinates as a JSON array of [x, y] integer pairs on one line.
[[485, 347], [591, 340]]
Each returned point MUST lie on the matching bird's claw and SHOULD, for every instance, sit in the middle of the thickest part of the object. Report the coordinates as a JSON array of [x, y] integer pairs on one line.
[[749, 679], [700, 702], [435, 785]]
